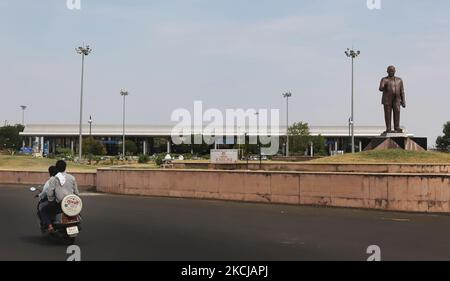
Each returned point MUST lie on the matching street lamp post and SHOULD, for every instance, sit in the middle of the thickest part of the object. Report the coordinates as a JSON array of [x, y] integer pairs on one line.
[[23, 114], [352, 54], [90, 139], [246, 147], [287, 96], [239, 140], [83, 51], [23, 121], [257, 138], [123, 93]]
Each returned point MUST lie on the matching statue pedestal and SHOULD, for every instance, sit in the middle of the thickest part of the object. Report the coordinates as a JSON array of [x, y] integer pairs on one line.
[[394, 135], [397, 140]]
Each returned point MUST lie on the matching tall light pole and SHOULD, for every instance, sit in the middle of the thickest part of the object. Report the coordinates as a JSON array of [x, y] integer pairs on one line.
[[90, 139], [246, 147], [23, 114], [287, 96], [83, 51], [23, 121], [123, 93], [239, 139], [352, 54], [257, 138]]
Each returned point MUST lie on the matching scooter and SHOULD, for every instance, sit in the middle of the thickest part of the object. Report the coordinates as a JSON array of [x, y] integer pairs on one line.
[[67, 222]]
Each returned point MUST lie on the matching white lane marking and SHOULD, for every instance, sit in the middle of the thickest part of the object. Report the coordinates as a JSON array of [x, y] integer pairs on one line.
[[90, 194], [396, 219]]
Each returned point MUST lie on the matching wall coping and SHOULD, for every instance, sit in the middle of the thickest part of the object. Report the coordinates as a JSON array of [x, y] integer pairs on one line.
[[247, 171], [322, 163], [40, 171], [278, 172]]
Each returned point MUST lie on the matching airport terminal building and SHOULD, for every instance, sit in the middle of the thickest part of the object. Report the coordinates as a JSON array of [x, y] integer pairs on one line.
[[150, 139]]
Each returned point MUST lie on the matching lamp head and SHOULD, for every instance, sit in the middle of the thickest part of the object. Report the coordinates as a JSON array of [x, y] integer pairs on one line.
[[352, 53], [287, 95]]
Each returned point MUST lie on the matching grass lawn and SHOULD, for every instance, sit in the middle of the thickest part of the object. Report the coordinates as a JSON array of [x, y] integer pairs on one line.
[[149, 165], [389, 156], [29, 163]]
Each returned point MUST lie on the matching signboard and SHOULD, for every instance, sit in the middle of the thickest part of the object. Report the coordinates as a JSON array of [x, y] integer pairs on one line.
[[26, 150], [46, 150], [224, 156]]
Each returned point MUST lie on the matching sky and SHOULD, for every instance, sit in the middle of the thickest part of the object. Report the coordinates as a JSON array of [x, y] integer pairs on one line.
[[226, 53]]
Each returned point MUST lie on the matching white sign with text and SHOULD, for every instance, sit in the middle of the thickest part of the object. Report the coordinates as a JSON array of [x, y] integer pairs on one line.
[[224, 156]]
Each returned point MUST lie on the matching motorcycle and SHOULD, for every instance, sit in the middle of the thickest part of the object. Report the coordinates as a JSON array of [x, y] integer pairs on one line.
[[67, 222]]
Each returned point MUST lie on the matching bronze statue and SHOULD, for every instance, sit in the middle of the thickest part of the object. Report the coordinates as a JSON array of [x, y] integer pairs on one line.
[[393, 97]]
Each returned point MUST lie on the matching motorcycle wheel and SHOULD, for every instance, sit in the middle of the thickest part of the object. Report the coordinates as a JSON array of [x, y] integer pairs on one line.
[[70, 240]]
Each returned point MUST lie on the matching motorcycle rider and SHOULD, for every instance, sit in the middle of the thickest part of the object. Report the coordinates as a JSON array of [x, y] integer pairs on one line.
[[43, 195], [61, 185], [52, 171]]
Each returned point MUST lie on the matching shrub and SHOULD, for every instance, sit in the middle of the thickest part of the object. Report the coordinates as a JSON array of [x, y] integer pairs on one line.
[[159, 159], [96, 159], [64, 152], [130, 148], [143, 158], [93, 146]]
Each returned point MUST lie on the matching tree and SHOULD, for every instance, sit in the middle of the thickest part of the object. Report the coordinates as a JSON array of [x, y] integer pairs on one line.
[[94, 147], [319, 145], [299, 138], [10, 139], [443, 142], [130, 147]]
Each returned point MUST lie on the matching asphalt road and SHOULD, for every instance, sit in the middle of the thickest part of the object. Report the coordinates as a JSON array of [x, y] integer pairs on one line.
[[141, 228]]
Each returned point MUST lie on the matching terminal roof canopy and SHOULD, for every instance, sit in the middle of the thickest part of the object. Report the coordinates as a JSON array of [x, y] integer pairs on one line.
[[166, 130]]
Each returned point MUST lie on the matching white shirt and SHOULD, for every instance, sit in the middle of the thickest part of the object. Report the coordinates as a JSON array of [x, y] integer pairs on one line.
[[43, 194]]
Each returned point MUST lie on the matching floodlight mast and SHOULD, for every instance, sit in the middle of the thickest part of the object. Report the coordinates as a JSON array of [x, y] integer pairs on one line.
[[83, 51], [287, 96], [123, 93], [352, 54]]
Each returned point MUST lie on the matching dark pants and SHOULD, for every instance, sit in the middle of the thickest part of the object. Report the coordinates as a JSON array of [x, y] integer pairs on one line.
[[41, 205], [388, 109], [48, 212]]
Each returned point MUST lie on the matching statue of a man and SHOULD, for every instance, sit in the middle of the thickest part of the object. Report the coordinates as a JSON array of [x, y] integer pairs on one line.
[[393, 97]]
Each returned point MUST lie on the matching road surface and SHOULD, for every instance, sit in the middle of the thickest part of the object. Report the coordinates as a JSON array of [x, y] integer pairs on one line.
[[144, 228]]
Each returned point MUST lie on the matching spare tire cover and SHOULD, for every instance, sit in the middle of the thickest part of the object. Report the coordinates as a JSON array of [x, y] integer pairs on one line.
[[71, 205]]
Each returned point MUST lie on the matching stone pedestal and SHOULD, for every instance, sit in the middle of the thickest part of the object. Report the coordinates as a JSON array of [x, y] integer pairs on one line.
[[397, 140]]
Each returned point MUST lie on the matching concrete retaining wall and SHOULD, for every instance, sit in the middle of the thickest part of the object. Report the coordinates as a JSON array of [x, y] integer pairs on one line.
[[295, 158], [397, 192], [39, 178], [321, 167]]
